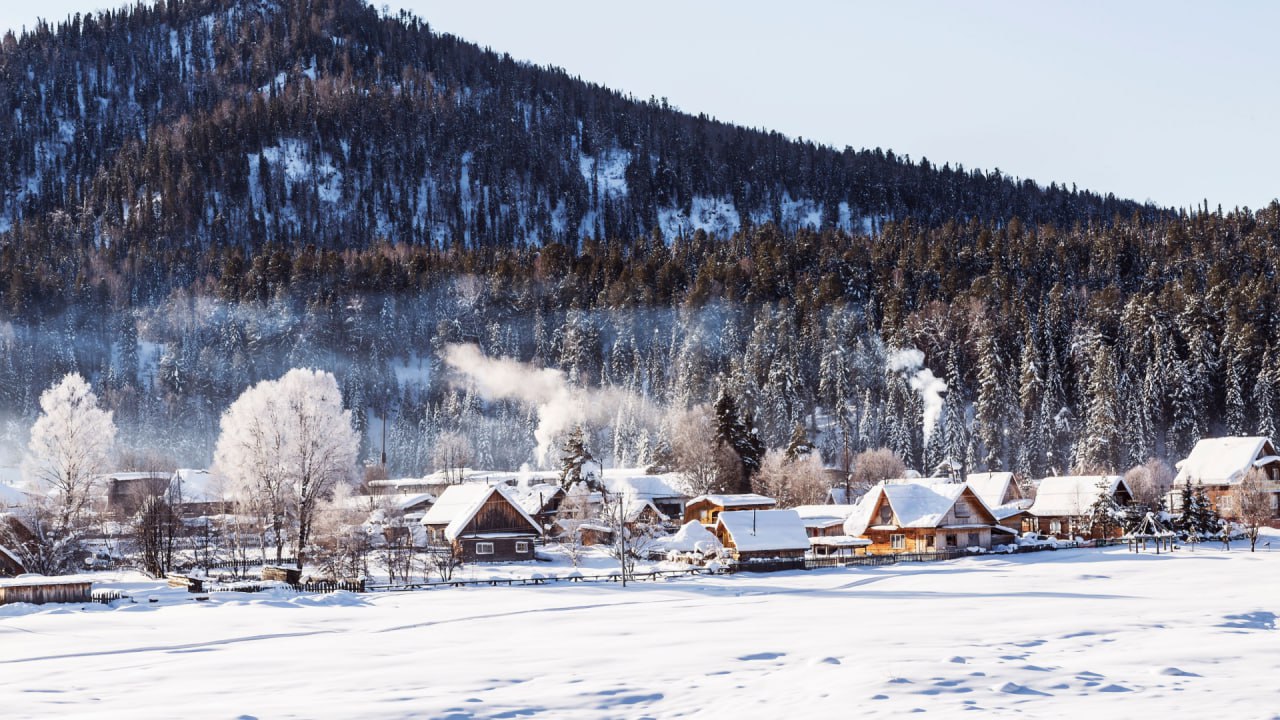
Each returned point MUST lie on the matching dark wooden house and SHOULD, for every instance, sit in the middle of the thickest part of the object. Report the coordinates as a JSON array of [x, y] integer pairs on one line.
[[482, 523]]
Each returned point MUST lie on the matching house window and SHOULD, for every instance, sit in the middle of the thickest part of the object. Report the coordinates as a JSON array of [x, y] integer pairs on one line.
[[962, 510], [898, 542], [1275, 504], [484, 548], [522, 546], [951, 541], [886, 514], [973, 540], [1055, 527]]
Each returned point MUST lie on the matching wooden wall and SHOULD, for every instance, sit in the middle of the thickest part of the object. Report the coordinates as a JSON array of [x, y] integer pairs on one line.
[[38, 594]]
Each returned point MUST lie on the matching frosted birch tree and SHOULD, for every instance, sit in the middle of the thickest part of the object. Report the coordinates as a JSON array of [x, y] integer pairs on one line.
[[286, 444], [69, 446]]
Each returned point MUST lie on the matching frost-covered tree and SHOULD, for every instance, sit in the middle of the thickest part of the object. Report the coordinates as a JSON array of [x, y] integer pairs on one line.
[[1253, 499], [577, 465], [69, 447], [285, 444], [1105, 514]]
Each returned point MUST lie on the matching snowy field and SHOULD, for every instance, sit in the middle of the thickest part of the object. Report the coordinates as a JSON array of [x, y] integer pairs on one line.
[[1076, 633]]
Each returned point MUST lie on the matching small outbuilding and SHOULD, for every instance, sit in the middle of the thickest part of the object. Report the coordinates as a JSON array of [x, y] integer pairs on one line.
[[39, 589], [706, 508], [762, 534], [1062, 503]]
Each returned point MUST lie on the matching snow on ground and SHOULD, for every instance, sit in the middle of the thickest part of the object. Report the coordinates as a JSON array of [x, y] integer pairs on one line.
[[1078, 633]]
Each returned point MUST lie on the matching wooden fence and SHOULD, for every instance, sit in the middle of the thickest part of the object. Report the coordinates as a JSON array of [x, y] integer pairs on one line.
[[546, 580]]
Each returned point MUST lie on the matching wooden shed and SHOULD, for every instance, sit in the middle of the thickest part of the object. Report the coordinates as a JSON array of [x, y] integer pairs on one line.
[[482, 523], [762, 534], [706, 508], [39, 589]]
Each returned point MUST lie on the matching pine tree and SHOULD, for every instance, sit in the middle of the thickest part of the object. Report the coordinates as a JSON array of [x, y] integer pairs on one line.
[[1105, 514], [799, 445], [576, 462]]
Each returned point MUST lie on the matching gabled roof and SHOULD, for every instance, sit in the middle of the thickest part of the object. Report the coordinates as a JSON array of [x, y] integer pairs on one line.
[[641, 486], [535, 498], [741, 500], [991, 487], [916, 504], [637, 505], [764, 530], [823, 516], [196, 486], [458, 506], [1073, 495], [1225, 460]]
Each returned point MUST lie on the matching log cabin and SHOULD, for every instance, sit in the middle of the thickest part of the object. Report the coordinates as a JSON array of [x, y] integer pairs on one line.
[[824, 524], [749, 535], [706, 508], [1062, 503], [921, 516], [482, 523], [38, 590], [1220, 464]]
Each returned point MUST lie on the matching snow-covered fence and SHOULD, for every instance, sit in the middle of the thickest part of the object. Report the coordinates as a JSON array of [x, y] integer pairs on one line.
[[546, 579]]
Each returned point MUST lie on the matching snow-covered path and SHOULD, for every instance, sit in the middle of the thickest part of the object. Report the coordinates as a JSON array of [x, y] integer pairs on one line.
[[1082, 633]]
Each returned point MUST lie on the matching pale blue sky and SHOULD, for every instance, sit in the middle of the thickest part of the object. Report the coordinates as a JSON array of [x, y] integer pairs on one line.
[[1169, 101]]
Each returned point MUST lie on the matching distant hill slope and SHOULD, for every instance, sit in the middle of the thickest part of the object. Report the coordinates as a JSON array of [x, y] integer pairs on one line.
[[245, 122]]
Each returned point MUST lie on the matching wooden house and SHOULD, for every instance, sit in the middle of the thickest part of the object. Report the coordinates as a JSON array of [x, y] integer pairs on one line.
[[542, 501], [1004, 496], [706, 508], [652, 488], [1062, 503], [199, 493], [824, 524], [1220, 464], [38, 590], [13, 536], [127, 491], [761, 534], [482, 523], [921, 516]]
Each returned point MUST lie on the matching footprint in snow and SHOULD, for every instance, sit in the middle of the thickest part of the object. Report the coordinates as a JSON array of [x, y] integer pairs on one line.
[[1013, 688], [762, 656]]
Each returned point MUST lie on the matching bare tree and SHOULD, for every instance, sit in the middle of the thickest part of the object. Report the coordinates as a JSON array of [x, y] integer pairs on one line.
[[1149, 482], [442, 561], [798, 481], [872, 466], [451, 455], [286, 443], [704, 464], [155, 532], [1253, 500]]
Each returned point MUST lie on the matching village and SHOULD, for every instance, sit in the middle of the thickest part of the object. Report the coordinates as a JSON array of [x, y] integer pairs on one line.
[[461, 525]]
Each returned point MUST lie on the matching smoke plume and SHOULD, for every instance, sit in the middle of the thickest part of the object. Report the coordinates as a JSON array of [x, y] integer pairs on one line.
[[560, 405], [910, 361]]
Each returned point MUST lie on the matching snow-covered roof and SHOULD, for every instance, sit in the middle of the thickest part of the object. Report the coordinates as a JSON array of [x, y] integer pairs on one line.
[[1071, 496], [764, 530], [1225, 460], [397, 482], [195, 486], [823, 516], [642, 486], [1009, 509], [740, 500], [839, 541], [692, 537], [915, 504], [535, 497], [991, 487], [458, 505], [455, 500], [636, 506]]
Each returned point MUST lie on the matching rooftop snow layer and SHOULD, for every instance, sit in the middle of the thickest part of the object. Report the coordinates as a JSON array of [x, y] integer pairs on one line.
[[742, 500], [765, 530], [916, 503], [692, 537], [991, 487], [1071, 496], [1223, 461]]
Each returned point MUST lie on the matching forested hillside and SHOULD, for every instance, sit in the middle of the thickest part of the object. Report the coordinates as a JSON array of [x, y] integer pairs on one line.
[[204, 193]]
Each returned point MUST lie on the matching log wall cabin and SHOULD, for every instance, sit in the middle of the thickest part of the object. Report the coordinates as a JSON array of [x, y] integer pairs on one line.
[[916, 517]]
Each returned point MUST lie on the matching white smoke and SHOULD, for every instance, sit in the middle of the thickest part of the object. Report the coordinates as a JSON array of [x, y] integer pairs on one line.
[[560, 405], [911, 361]]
